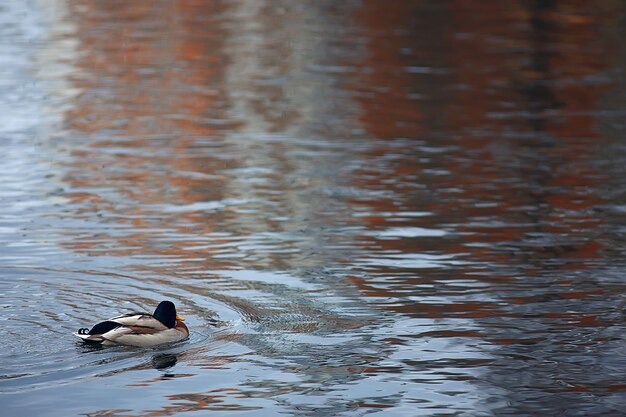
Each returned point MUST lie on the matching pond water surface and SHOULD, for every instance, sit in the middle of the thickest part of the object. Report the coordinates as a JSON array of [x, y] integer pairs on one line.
[[361, 207]]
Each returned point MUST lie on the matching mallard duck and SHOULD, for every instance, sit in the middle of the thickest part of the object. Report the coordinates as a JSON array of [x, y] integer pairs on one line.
[[138, 329]]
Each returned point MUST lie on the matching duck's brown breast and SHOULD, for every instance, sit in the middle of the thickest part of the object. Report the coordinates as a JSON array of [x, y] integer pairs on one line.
[[181, 327]]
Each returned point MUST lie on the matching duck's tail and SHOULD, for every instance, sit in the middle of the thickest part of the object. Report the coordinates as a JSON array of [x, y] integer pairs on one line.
[[95, 334]]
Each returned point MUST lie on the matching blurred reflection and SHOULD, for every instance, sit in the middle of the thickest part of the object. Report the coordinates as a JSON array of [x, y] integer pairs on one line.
[[175, 164], [507, 161], [284, 62]]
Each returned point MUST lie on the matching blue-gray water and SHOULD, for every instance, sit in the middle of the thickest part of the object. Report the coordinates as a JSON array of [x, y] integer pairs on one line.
[[361, 207]]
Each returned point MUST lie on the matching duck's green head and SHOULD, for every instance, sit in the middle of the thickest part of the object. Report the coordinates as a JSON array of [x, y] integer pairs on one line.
[[166, 314]]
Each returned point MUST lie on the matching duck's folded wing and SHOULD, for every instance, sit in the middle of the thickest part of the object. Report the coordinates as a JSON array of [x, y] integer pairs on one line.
[[139, 320], [116, 333]]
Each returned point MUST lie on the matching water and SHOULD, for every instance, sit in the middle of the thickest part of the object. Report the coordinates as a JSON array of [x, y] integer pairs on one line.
[[361, 207]]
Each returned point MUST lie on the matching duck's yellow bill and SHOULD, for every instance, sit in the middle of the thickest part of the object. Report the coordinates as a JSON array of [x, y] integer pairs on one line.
[[179, 318]]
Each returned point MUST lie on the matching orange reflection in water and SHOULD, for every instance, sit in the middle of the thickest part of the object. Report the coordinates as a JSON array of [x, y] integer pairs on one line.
[[173, 107], [509, 92], [139, 81], [214, 400], [150, 75]]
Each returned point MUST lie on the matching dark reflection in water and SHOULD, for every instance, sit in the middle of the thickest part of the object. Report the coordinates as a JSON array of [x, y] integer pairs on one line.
[[406, 208]]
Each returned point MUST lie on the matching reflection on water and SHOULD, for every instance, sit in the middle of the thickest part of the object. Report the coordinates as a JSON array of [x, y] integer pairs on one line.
[[406, 207]]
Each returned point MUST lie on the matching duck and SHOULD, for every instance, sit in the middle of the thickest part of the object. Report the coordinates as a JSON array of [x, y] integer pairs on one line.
[[138, 329]]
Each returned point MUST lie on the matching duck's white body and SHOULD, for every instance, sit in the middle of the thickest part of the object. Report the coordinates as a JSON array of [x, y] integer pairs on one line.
[[136, 329]]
